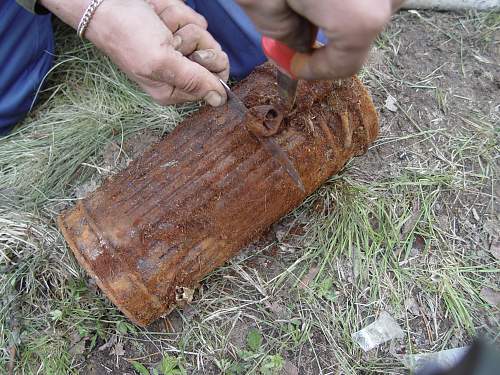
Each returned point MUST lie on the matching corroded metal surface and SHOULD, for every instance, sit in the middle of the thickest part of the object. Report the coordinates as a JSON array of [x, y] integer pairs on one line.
[[152, 232]]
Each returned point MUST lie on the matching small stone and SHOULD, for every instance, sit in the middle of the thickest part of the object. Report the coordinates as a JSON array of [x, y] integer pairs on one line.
[[491, 296], [309, 277], [108, 344], [118, 350], [412, 306], [290, 369], [391, 104], [475, 214], [495, 248], [77, 344]]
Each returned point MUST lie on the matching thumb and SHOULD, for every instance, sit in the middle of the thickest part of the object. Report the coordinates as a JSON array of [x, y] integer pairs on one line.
[[328, 62]]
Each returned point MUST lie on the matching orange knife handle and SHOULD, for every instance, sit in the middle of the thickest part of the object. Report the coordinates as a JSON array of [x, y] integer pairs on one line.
[[282, 54], [279, 53]]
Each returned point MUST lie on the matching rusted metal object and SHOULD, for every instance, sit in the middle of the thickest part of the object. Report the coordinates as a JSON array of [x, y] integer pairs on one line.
[[192, 201], [264, 120]]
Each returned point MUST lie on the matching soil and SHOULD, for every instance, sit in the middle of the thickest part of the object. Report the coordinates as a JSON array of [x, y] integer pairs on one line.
[[423, 48]]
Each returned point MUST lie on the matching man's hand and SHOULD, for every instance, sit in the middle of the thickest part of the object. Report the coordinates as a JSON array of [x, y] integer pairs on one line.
[[163, 45], [350, 26]]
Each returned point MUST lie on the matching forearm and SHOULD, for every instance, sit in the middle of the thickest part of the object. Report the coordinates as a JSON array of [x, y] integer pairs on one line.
[[72, 11]]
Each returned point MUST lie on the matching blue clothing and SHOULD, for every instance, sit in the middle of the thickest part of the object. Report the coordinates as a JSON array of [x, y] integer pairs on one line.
[[237, 35], [26, 46]]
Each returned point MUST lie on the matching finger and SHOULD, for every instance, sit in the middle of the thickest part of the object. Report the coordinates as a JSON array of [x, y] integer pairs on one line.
[[329, 62], [275, 19], [189, 77], [213, 60], [165, 94], [175, 14], [192, 38]]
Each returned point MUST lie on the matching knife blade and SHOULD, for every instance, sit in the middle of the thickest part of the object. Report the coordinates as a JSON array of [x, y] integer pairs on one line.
[[287, 89], [284, 55], [282, 158], [269, 144]]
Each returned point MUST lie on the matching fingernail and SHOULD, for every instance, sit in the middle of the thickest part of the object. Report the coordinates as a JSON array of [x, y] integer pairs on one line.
[[176, 42], [214, 99], [204, 55]]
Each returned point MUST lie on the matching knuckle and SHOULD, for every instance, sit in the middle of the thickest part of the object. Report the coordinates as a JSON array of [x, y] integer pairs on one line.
[[201, 21], [171, 13], [156, 68], [191, 28], [224, 57], [189, 16], [190, 32], [178, 16], [191, 83]]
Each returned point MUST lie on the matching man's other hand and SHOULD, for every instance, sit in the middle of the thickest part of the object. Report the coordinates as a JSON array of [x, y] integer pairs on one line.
[[163, 45], [350, 26]]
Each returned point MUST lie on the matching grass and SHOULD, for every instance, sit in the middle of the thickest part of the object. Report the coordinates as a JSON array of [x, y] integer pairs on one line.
[[87, 104], [410, 228], [44, 156]]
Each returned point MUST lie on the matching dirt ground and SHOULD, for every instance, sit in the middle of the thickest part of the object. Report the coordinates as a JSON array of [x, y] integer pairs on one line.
[[438, 77], [411, 228]]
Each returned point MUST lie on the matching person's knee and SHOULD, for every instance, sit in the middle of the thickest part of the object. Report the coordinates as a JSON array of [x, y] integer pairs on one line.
[[26, 46]]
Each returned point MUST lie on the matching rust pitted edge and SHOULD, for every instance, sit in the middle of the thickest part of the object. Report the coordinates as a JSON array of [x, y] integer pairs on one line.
[[83, 240], [192, 201]]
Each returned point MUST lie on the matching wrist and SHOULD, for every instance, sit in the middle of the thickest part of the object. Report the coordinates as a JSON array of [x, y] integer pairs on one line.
[[72, 11], [107, 23], [69, 11]]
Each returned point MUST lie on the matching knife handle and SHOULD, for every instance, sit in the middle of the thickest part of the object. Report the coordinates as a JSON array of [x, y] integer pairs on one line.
[[283, 55], [279, 53]]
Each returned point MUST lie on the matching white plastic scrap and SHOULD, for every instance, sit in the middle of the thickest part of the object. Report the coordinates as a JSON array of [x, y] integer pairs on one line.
[[382, 330], [391, 103], [442, 360]]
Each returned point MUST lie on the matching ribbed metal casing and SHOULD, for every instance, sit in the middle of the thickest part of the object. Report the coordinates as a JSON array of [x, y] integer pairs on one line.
[[209, 188]]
